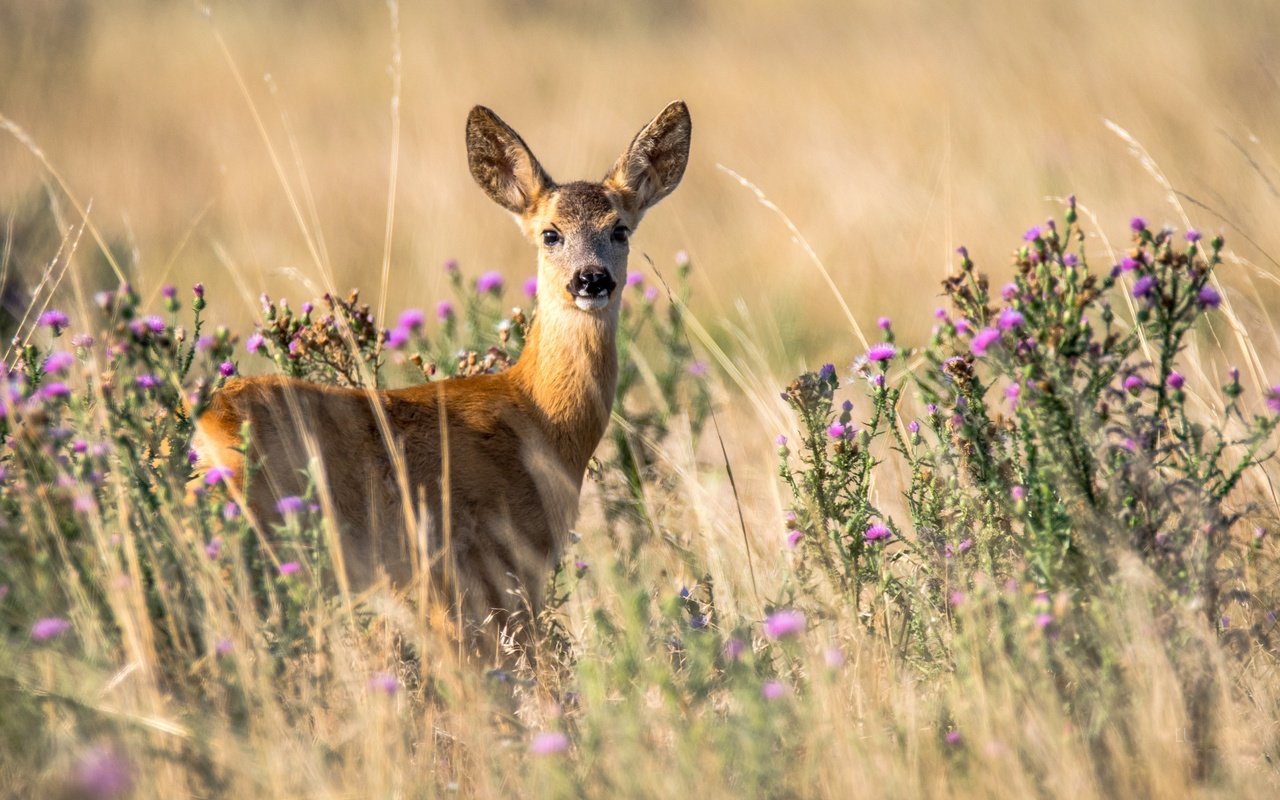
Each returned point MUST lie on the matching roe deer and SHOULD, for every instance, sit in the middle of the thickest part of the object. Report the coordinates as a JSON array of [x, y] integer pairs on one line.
[[516, 443]]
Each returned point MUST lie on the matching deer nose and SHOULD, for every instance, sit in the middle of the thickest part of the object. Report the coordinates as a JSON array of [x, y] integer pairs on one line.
[[592, 282]]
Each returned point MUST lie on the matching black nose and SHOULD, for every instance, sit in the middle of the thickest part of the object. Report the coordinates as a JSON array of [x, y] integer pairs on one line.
[[593, 282]]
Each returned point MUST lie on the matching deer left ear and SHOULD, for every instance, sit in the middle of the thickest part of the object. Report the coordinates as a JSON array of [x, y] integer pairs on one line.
[[654, 163]]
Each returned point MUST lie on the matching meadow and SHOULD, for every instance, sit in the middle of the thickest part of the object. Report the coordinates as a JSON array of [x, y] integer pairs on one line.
[[942, 461]]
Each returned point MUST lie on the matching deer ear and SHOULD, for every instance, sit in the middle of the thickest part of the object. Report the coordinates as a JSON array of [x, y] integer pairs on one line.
[[654, 163], [502, 163]]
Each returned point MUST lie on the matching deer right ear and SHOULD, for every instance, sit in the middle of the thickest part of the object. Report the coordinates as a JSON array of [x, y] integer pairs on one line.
[[502, 163]]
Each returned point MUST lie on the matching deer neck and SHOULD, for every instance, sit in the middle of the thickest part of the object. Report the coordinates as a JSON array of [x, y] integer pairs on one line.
[[569, 370]]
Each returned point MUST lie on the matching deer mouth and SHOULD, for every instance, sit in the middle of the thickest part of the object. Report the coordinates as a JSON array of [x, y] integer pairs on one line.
[[591, 290]]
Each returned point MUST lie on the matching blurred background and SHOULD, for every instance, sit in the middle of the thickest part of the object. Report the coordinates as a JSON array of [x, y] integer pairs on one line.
[[889, 133]]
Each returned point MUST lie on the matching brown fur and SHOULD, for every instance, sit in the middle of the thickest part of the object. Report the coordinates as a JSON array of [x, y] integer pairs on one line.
[[517, 444]]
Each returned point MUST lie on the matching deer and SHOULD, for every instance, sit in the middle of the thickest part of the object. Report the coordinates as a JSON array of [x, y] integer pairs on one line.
[[490, 466]]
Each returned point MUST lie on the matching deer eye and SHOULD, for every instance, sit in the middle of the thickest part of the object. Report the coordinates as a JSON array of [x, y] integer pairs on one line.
[[551, 238], [621, 233]]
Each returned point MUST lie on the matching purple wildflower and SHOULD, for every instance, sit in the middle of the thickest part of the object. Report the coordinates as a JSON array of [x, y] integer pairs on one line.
[[451, 266], [780, 441], [635, 279], [254, 342], [884, 323], [217, 475], [155, 324], [877, 533], [1134, 384], [226, 369], [101, 773], [774, 690], [1137, 224], [1273, 399], [794, 537], [1129, 264], [982, 340], [698, 369], [1070, 260], [290, 568], [827, 371], [1012, 391], [411, 318], [1018, 493], [1143, 286], [531, 287], [213, 548], [733, 649], [223, 647], [1044, 620], [292, 504], [881, 352], [1010, 319], [59, 361], [168, 291], [836, 431], [1175, 381], [834, 657], [965, 545], [1032, 234], [384, 682], [955, 598], [49, 391], [1193, 236], [397, 337], [1208, 297], [489, 282], [651, 294], [49, 628], [146, 381], [82, 340], [913, 427], [198, 291], [1009, 291], [53, 318], [549, 743], [953, 737], [204, 343], [444, 310], [784, 623]]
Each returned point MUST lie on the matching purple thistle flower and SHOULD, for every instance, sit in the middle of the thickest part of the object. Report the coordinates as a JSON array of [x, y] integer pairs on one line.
[[82, 340], [254, 342], [1143, 286], [223, 647], [451, 266], [146, 381], [292, 504], [53, 318], [635, 279], [580, 565], [881, 352], [651, 294], [217, 475], [204, 343], [49, 628], [168, 291], [1044, 620], [733, 649], [1018, 493], [58, 361], [1137, 224], [780, 441], [101, 773], [49, 391], [198, 291], [444, 310], [913, 427], [411, 319], [827, 372], [549, 743], [1011, 392], [155, 324], [1192, 236], [784, 624], [834, 657], [774, 690], [793, 538], [531, 287], [1175, 381], [307, 308], [698, 369], [836, 431], [489, 282], [384, 682], [955, 598], [397, 337], [877, 533], [214, 548], [1129, 264], [1010, 319], [1032, 234], [982, 340], [1134, 384], [965, 545], [1273, 399], [1208, 297], [884, 323], [1008, 291], [226, 369], [290, 568], [1070, 260], [953, 737]]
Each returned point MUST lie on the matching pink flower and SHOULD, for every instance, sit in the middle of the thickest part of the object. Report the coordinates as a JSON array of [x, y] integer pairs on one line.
[[226, 369], [531, 287], [101, 773], [982, 340], [834, 657], [49, 628], [733, 649], [214, 548], [881, 352], [489, 282], [444, 310], [254, 342], [53, 390], [397, 337], [411, 319], [217, 475], [836, 431], [877, 533], [1175, 381], [55, 319], [59, 361], [223, 646], [774, 690], [290, 568], [549, 743], [635, 278], [1273, 399], [783, 624], [289, 505], [385, 682], [793, 538], [1010, 319]]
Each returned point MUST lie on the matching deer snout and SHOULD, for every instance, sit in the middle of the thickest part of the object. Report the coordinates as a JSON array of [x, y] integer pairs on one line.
[[592, 282]]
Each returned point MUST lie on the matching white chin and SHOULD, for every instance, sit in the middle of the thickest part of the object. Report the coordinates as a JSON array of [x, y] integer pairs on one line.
[[591, 303]]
